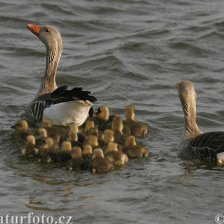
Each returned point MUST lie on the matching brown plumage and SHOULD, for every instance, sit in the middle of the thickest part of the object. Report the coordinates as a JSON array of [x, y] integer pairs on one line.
[[99, 164]]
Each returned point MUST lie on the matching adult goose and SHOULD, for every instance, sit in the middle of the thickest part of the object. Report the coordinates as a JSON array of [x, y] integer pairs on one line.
[[59, 104], [207, 147]]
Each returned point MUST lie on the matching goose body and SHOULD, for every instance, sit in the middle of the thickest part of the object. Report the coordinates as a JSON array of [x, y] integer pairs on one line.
[[205, 147], [59, 104]]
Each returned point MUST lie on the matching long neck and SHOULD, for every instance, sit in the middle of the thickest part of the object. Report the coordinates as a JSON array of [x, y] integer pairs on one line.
[[191, 127], [48, 84]]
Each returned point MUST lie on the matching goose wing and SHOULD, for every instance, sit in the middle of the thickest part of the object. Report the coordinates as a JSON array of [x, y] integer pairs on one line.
[[206, 146], [60, 95]]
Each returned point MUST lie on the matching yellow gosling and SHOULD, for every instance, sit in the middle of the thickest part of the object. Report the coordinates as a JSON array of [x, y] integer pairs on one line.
[[99, 164], [108, 136], [93, 141], [29, 149], [114, 156], [76, 163], [132, 126], [133, 150], [87, 151]]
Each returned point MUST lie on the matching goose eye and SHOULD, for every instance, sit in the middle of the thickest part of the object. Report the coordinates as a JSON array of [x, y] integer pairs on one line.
[[47, 30]]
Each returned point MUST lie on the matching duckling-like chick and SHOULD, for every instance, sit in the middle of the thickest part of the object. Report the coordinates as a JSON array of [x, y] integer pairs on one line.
[[77, 162], [41, 136], [93, 141], [73, 138], [66, 152], [90, 128], [29, 149], [87, 152], [49, 151], [99, 164], [73, 128], [56, 133], [117, 127], [133, 150], [102, 118], [132, 126], [116, 157], [108, 136], [21, 131]]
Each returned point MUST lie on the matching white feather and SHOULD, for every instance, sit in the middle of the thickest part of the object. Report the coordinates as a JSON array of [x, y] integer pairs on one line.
[[68, 112]]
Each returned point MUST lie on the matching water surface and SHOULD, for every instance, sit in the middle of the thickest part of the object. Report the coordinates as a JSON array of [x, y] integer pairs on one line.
[[124, 52]]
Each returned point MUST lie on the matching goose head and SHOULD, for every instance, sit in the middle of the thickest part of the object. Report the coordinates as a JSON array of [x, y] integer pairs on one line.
[[187, 95], [48, 35]]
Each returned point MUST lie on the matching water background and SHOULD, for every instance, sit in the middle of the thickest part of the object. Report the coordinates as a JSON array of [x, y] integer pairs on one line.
[[131, 51]]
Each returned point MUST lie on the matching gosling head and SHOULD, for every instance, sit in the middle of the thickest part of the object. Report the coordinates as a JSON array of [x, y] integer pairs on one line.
[[30, 139], [73, 127], [66, 146], [87, 150], [108, 136], [112, 147], [130, 113], [89, 124], [42, 132], [98, 153], [49, 142], [72, 136], [117, 124], [103, 113], [130, 141], [92, 140], [47, 123], [76, 152], [22, 125]]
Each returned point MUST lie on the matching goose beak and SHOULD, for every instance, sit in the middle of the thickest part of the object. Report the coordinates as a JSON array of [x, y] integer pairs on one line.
[[35, 29]]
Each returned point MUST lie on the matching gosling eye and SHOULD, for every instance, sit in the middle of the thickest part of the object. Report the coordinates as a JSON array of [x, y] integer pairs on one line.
[[47, 30]]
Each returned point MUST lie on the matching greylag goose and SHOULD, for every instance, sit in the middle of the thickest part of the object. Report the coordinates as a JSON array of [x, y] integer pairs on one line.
[[207, 147], [61, 105]]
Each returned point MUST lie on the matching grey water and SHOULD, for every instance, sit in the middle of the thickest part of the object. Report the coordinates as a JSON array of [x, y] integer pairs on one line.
[[125, 52]]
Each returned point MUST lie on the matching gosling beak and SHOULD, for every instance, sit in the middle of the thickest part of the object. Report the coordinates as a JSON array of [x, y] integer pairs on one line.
[[35, 29]]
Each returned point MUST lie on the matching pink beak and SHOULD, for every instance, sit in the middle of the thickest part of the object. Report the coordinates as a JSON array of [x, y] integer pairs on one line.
[[35, 29]]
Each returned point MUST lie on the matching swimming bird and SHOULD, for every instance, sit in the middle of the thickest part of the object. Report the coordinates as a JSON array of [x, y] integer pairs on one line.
[[117, 127], [29, 149], [77, 163], [133, 150], [49, 151], [132, 126], [93, 141], [99, 164], [61, 105], [87, 152], [206, 147], [21, 130], [90, 128], [102, 118], [118, 158]]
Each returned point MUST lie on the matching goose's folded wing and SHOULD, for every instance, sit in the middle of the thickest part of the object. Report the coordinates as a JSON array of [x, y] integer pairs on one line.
[[60, 95], [207, 146], [212, 140]]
